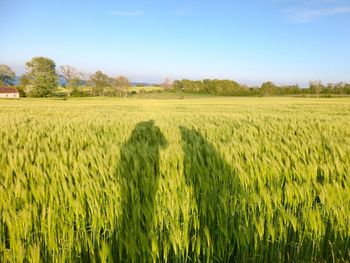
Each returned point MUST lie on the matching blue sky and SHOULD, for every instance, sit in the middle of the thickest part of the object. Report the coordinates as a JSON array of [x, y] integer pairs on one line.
[[285, 41]]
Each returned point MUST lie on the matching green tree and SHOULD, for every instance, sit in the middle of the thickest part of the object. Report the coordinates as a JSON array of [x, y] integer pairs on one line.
[[121, 85], [7, 76], [267, 88], [99, 81], [178, 86], [42, 75], [24, 85]]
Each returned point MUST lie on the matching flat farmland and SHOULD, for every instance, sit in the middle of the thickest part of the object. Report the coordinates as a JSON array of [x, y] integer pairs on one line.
[[176, 180]]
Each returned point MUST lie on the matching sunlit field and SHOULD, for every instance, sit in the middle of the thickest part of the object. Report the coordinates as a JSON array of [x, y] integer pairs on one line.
[[190, 180]]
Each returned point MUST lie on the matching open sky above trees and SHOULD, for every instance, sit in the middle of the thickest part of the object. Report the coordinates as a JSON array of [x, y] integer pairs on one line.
[[289, 41]]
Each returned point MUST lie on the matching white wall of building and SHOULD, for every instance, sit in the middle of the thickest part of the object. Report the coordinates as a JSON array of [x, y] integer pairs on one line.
[[9, 95]]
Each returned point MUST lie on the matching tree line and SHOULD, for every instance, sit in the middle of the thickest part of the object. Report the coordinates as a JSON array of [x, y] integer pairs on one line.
[[231, 88], [42, 80]]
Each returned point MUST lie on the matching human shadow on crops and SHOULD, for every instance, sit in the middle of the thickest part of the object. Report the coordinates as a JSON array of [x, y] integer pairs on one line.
[[138, 171], [223, 225], [216, 188]]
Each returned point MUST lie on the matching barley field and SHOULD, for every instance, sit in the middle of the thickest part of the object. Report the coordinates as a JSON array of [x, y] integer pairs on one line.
[[192, 180]]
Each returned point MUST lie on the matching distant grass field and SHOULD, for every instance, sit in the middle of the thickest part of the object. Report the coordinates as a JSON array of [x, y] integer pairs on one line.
[[175, 180], [146, 88], [88, 89]]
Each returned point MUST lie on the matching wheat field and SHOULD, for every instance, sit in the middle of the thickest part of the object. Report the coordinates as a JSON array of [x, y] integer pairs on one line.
[[193, 180]]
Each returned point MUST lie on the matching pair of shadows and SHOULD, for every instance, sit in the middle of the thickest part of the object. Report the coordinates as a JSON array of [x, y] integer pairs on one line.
[[139, 170], [215, 227]]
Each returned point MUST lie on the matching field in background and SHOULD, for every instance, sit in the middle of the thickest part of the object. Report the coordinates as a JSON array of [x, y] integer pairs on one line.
[[88, 90], [178, 180]]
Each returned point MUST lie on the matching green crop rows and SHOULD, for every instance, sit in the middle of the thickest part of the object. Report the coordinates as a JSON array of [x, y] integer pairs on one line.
[[200, 180]]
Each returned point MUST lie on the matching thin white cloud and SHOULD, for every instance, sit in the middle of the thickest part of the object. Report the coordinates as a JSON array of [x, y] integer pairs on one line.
[[302, 15], [125, 13]]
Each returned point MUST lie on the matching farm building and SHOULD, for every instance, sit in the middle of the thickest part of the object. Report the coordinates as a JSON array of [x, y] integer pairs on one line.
[[9, 92]]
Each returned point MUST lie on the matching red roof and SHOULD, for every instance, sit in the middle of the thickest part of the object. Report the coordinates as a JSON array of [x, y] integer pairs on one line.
[[8, 90]]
